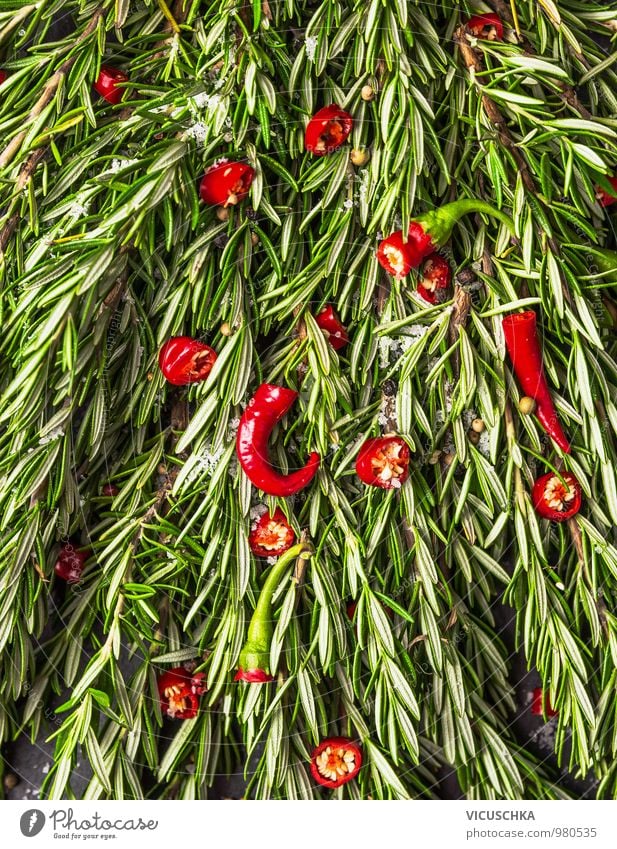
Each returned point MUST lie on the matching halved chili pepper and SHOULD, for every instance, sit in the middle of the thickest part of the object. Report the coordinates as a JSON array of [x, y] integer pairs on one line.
[[608, 198], [384, 461], [271, 535], [329, 322], [555, 500], [70, 563], [336, 761], [435, 276], [179, 691], [487, 26], [106, 84], [184, 360], [541, 705], [428, 232], [254, 659], [267, 407], [226, 183], [327, 130], [523, 346]]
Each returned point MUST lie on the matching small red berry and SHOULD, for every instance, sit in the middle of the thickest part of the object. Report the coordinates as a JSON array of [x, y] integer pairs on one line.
[[272, 535], [184, 360], [329, 322], [554, 500], [336, 761], [327, 130], [179, 691], [107, 84], [226, 183], [487, 26], [70, 563], [384, 461], [541, 704]]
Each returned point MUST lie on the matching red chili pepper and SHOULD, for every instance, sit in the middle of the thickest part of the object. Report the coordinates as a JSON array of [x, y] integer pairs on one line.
[[226, 183], [267, 407], [384, 461], [435, 276], [70, 563], [329, 322], [524, 349], [184, 360], [608, 198], [327, 130], [555, 501], [254, 660], [541, 705], [487, 26], [272, 535], [336, 761], [179, 690], [110, 490], [107, 86], [429, 232]]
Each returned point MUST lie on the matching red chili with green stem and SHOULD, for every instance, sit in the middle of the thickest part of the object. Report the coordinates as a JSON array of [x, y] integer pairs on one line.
[[265, 409], [523, 346], [254, 660], [429, 232]]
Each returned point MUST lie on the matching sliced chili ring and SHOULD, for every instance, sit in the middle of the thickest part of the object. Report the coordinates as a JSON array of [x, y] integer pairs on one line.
[[554, 500], [106, 84], [179, 691], [336, 761], [184, 360], [384, 461], [226, 183], [435, 276], [327, 130], [488, 26], [330, 323], [541, 704], [271, 535], [396, 256]]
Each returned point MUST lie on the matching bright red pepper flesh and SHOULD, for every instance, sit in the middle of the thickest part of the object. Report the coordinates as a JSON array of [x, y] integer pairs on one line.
[[265, 409], [106, 84], [226, 183], [606, 198], [487, 26], [184, 360], [555, 501], [179, 691], [330, 323], [384, 461], [523, 345], [336, 761], [435, 277], [271, 535], [541, 705], [327, 130]]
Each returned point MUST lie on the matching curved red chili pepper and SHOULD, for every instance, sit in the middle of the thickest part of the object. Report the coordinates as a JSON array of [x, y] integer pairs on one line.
[[70, 563], [606, 198], [226, 183], [541, 704], [106, 84], [487, 26], [327, 130], [435, 276], [336, 761], [254, 660], [384, 461], [271, 535], [524, 349], [428, 232], [179, 691], [552, 500], [335, 332], [184, 360], [267, 407]]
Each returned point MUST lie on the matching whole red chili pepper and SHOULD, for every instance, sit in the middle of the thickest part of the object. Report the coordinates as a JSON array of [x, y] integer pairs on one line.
[[427, 233], [336, 761], [254, 660], [327, 130], [554, 500], [226, 183], [106, 84], [541, 704], [271, 535], [384, 461], [267, 406], [179, 691], [487, 26], [524, 349], [608, 198], [70, 563], [435, 276], [335, 332], [184, 360]]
